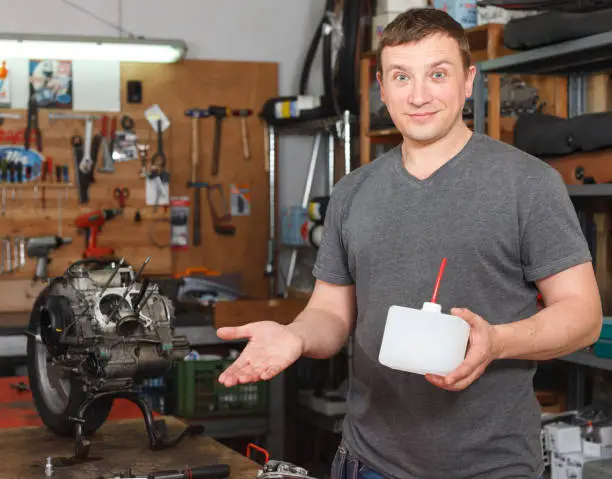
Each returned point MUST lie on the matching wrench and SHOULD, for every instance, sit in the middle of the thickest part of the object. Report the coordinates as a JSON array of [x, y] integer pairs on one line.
[[86, 163]]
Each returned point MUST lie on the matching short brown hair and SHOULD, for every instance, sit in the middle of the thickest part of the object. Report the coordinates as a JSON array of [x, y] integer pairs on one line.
[[418, 23]]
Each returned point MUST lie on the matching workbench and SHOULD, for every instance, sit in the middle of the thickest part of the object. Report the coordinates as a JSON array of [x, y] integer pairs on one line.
[[117, 446]]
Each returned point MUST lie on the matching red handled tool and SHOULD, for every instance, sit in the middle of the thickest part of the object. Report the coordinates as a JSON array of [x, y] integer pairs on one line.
[[121, 194]]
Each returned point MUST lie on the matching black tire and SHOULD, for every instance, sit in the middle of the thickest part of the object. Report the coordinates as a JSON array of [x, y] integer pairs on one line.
[[54, 419]]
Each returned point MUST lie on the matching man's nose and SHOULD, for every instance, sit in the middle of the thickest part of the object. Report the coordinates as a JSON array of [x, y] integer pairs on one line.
[[419, 93]]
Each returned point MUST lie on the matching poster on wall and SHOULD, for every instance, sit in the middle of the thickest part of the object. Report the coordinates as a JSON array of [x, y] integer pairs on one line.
[[51, 83], [5, 87]]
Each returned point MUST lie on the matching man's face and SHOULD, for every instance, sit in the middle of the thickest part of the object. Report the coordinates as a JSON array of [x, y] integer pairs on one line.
[[424, 86]]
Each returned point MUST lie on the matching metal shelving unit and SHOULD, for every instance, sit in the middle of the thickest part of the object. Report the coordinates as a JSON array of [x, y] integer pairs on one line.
[[332, 128], [587, 358], [575, 58], [586, 55]]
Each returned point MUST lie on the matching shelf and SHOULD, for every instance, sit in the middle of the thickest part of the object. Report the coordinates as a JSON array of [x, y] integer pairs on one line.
[[586, 358], [588, 54], [506, 123], [590, 191], [318, 125]]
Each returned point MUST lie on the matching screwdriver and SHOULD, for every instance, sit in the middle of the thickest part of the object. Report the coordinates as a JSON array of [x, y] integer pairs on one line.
[[216, 471]]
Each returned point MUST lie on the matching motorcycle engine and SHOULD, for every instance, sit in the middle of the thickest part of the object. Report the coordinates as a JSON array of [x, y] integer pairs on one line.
[[109, 328]]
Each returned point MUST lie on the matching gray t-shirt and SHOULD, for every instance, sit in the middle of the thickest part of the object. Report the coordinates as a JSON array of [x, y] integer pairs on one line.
[[503, 219]]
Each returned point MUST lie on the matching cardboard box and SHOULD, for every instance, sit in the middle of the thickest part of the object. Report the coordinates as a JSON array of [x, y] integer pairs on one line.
[[596, 450], [563, 438], [500, 15], [398, 6], [462, 11]]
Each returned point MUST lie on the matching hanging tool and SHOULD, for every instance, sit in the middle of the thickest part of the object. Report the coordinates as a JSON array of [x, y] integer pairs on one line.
[[6, 255], [217, 203], [39, 248], [85, 165], [121, 194], [143, 151], [220, 113], [108, 166], [158, 160], [45, 174], [243, 115], [32, 125], [195, 114], [91, 224]]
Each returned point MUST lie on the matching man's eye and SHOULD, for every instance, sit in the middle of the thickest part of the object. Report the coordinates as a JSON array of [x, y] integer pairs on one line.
[[401, 77], [439, 75]]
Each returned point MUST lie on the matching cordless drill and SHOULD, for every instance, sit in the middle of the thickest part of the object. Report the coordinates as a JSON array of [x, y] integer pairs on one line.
[[91, 224], [39, 247]]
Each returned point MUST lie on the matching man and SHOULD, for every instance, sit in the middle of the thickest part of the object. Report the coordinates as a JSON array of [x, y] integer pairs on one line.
[[504, 221]]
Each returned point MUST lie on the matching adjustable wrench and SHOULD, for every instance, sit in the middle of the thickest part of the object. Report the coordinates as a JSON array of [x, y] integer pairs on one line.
[[86, 163]]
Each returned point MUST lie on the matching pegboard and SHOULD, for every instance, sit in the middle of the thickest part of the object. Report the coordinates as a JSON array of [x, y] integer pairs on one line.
[[175, 88]]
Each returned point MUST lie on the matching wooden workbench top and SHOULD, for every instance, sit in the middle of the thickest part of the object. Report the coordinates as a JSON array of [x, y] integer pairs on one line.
[[116, 446]]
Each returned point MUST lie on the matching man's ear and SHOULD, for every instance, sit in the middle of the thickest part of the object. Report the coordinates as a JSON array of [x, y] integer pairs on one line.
[[469, 81], [380, 85]]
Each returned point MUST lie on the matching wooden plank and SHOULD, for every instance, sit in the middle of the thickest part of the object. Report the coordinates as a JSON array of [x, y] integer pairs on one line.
[[18, 295], [599, 93], [238, 313], [596, 164], [116, 446], [365, 80]]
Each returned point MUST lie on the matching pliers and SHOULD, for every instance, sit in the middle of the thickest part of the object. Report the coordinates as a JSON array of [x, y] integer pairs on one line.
[[32, 124]]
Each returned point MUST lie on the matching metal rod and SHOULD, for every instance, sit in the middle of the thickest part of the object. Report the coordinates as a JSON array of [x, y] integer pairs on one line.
[[110, 280], [305, 199], [347, 142], [479, 101], [311, 171], [272, 213], [331, 157]]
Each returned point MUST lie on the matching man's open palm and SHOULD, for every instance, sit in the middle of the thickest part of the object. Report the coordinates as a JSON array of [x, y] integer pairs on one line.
[[272, 348]]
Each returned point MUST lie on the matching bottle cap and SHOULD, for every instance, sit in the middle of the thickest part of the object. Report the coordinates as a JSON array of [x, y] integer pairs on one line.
[[434, 307]]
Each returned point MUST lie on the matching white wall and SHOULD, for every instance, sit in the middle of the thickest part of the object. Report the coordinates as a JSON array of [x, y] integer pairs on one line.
[[250, 30]]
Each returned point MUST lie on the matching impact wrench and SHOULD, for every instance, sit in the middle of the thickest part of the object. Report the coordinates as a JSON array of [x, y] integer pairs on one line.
[[40, 247]]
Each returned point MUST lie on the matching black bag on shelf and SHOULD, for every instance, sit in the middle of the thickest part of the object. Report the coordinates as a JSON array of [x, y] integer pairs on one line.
[[554, 27], [549, 5], [545, 135]]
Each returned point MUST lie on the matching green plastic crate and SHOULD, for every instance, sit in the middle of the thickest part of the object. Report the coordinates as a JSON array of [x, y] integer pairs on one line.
[[199, 393]]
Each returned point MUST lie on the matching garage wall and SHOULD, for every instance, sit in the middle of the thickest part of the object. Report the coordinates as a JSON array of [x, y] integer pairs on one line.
[[262, 30]]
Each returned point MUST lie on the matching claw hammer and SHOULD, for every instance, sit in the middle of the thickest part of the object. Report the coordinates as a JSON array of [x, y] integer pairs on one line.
[[195, 114], [219, 112], [243, 115]]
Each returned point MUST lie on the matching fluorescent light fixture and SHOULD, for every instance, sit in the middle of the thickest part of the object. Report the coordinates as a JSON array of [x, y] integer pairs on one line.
[[64, 47]]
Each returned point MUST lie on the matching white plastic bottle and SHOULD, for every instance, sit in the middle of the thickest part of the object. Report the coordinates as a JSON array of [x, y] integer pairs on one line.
[[423, 341]]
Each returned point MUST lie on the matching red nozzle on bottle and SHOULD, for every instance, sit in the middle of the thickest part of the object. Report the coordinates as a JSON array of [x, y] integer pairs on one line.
[[434, 297]]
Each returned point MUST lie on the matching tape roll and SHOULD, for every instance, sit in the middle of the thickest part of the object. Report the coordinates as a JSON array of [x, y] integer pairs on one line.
[[316, 235]]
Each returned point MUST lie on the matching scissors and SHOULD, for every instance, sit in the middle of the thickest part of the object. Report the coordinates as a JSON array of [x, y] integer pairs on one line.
[[121, 194]]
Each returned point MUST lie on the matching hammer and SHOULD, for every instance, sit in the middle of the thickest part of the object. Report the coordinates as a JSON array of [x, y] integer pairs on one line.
[[219, 112], [195, 114], [243, 115]]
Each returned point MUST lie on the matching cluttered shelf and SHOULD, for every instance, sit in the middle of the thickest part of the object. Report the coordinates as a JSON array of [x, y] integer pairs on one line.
[[587, 54], [386, 134]]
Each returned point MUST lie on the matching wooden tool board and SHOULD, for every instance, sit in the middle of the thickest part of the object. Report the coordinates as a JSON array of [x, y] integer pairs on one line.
[[175, 88]]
